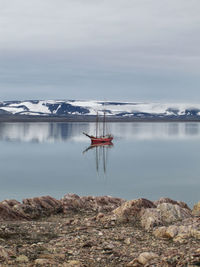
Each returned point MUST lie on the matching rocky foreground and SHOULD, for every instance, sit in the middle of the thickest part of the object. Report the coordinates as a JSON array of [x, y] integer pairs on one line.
[[98, 231]]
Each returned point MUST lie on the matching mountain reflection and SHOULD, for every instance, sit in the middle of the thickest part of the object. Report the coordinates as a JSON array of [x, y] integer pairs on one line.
[[63, 132]]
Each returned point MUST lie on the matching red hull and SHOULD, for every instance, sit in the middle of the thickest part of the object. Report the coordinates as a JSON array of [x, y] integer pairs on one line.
[[100, 140]]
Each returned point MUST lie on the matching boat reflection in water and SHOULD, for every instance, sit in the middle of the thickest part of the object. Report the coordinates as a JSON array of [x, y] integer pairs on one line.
[[101, 154]]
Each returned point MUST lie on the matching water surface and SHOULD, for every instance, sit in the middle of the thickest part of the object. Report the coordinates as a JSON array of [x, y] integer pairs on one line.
[[149, 160]]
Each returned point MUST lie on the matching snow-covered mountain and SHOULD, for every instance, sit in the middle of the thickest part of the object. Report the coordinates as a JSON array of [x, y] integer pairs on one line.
[[62, 108]]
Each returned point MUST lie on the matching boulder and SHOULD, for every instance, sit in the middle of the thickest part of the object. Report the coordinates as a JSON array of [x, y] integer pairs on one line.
[[196, 209], [180, 231], [130, 210], [41, 206], [164, 213], [8, 212], [172, 212], [169, 200], [150, 218], [166, 232]]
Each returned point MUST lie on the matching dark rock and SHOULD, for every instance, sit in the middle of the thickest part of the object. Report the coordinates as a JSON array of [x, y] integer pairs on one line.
[[7, 212], [41, 206]]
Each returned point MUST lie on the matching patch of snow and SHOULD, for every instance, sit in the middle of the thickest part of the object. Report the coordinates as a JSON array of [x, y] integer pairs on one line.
[[13, 110]]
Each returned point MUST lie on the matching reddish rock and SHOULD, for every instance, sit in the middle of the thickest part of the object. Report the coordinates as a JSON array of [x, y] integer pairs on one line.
[[41, 206], [9, 213], [10, 202], [72, 202], [90, 203]]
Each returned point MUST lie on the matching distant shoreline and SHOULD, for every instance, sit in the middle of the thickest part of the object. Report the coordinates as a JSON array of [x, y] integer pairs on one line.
[[28, 118]]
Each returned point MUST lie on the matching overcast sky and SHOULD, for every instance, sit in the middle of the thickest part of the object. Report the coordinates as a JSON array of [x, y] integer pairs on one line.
[[135, 50]]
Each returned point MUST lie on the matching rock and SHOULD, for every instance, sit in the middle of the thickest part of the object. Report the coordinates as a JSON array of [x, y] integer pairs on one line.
[[41, 206], [72, 202], [150, 218], [145, 257], [72, 263], [10, 202], [160, 232], [166, 232], [130, 210], [172, 212], [44, 262], [22, 259], [171, 231], [174, 202], [167, 211], [127, 241], [59, 256], [179, 232], [7, 212], [196, 209], [3, 254], [30, 208], [90, 203], [181, 238], [195, 233]]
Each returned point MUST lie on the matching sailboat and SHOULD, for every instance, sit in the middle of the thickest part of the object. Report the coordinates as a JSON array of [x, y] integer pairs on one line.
[[100, 139]]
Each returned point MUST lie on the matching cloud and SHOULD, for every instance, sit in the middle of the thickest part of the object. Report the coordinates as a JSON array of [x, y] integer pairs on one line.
[[91, 44]]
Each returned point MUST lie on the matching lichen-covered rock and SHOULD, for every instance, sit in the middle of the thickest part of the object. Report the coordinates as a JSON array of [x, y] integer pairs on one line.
[[196, 209], [150, 218], [130, 210], [165, 213], [172, 212]]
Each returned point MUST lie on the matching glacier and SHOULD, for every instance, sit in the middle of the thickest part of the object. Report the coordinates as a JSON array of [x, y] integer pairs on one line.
[[113, 109]]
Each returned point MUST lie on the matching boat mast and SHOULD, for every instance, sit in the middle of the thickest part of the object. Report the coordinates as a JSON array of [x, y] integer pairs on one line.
[[97, 124], [104, 122]]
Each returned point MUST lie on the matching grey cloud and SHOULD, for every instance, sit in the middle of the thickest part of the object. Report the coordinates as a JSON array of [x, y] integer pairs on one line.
[[144, 49]]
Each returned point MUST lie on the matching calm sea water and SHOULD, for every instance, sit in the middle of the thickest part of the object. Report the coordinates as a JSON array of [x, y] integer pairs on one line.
[[149, 160]]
